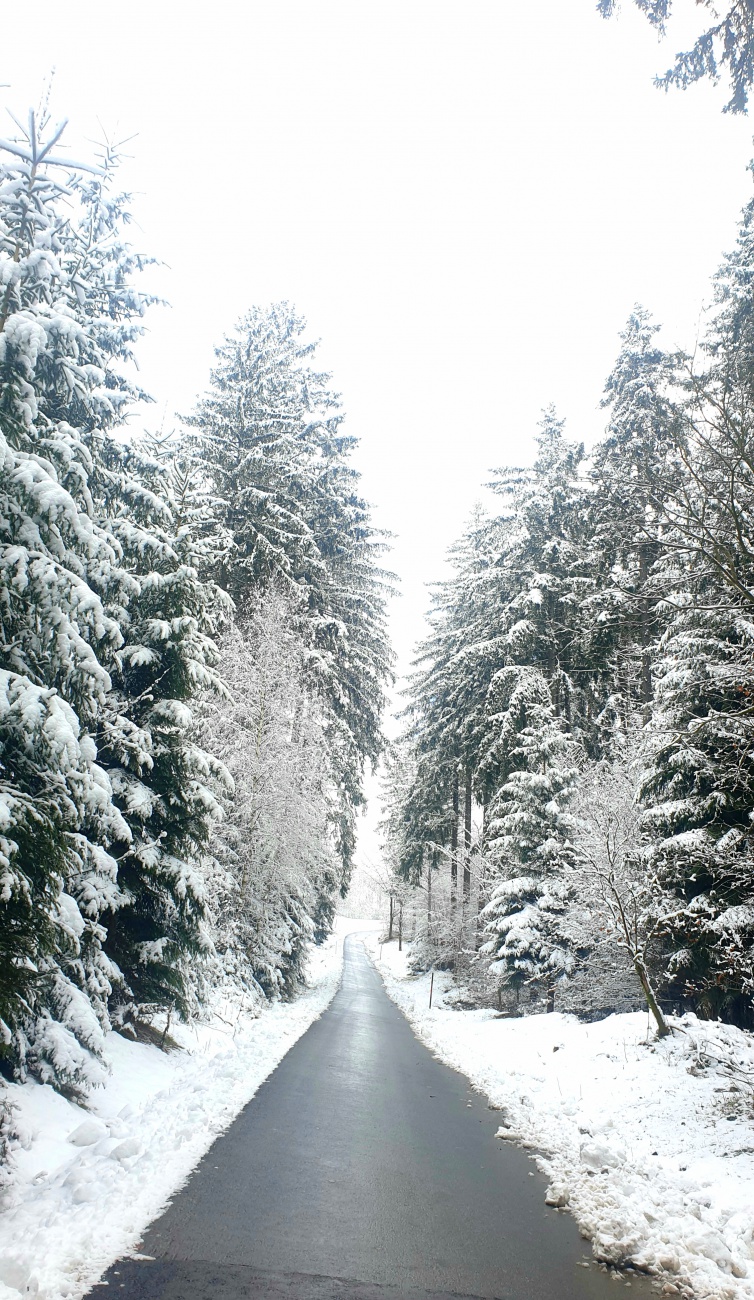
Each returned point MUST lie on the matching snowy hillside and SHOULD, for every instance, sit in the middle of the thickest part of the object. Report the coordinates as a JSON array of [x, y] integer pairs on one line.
[[650, 1144]]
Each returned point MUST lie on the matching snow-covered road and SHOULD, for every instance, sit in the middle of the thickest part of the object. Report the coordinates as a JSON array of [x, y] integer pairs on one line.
[[363, 1169], [86, 1182], [651, 1144]]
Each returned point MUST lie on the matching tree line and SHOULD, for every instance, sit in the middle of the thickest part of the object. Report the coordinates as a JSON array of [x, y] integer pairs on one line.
[[576, 764], [193, 655]]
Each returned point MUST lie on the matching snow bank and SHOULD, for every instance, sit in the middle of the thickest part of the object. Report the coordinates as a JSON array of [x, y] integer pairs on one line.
[[651, 1145], [86, 1182]]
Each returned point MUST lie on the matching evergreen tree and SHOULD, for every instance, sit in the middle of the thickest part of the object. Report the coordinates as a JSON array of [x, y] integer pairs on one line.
[[277, 478], [527, 837], [699, 792], [632, 471], [105, 636], [161, 778], [545, 581], [68, 314], [698, 786], [728, 44]]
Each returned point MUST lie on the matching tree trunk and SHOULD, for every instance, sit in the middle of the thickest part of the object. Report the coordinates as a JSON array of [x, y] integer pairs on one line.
[[454, 846], [481, 881], [551, 997], [663, 1028], [645, 636], [467, 839], [400, 927], [390, 928]]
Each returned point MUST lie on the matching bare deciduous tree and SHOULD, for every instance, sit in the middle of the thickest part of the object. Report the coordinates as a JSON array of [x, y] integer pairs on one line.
[[611, 871]]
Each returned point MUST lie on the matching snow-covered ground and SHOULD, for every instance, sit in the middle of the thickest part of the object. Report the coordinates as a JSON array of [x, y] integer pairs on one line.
[[651, 1145], [86, 1182]]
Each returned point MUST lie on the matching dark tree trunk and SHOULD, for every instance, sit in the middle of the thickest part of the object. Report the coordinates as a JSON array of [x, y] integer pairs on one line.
[[467, 839], [390, 928], [645, 634], [454, 845]]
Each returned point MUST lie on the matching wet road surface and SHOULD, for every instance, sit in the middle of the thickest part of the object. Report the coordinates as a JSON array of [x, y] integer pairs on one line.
[[360, 1171]]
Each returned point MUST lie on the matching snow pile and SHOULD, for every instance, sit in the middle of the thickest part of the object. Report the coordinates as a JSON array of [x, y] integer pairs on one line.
[[650, 1144], [86, 1182]]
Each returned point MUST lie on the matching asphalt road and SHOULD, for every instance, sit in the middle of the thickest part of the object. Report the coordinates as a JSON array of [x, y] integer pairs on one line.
[[363, 1169]]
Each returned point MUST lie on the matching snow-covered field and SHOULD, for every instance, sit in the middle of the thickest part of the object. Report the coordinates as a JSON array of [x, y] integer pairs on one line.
[[86, 1182], [651, 1145]]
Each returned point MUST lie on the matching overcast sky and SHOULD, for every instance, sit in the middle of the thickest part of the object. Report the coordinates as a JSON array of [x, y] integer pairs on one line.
[[465, 199]]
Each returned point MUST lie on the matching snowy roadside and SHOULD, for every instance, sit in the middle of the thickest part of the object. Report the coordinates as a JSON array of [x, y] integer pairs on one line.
[[76, 1205], [650, 1144]]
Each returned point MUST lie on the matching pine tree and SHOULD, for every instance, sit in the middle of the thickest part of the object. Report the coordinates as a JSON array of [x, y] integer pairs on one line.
[[699, 792], [106, 636], [68, 314], [546, 572], [633, 468], [698, 786], [161, 778], [278, 480], [727, 44], [528, 841]]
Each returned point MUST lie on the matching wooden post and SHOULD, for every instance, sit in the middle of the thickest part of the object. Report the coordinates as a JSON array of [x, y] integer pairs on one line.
[[431, 986]]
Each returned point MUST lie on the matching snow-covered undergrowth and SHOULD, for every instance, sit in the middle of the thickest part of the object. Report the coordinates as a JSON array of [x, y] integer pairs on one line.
[[651, 1145], [86, 1182]]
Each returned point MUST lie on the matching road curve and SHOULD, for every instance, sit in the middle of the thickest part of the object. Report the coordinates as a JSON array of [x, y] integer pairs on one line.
[[363, 1169]]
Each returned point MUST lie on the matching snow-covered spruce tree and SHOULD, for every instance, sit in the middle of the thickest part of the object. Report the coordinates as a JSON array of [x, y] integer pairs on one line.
[[276, 870], [513, 605], [162, 779], [527, 840], [699, 794], [727, 45], [459, 660], [700, 783], [104, 626], [632, 468], [276, 477], [545, 581], [446, 698], [68, 314]]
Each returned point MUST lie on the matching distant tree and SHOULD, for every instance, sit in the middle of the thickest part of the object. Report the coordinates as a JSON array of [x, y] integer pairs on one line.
[[634, 466], [527, 838], [275, 485], [276, 872], [727, 45]]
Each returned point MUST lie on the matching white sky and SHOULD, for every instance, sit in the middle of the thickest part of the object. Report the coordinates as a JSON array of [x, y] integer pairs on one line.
[[464, 198]]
